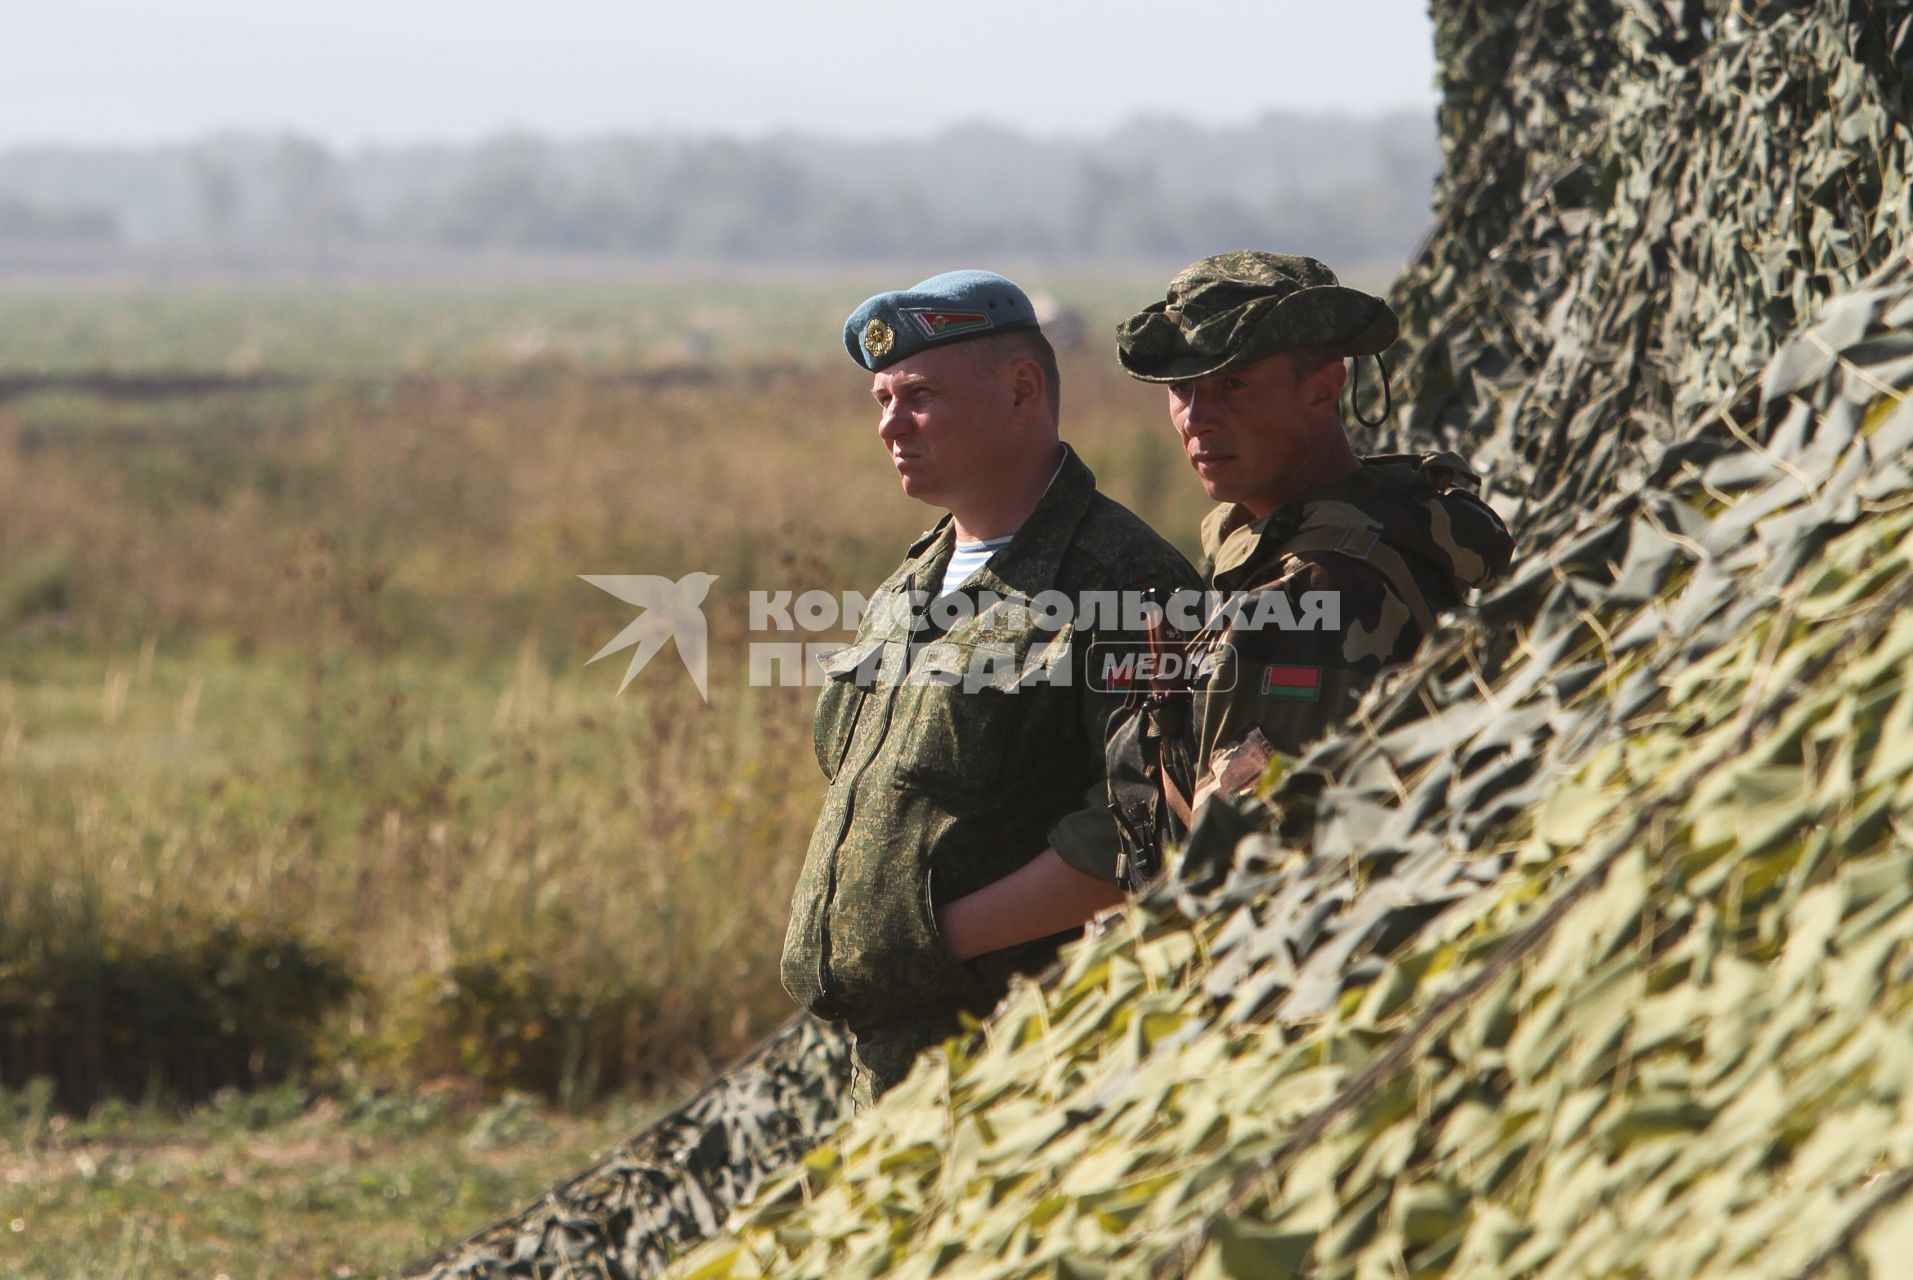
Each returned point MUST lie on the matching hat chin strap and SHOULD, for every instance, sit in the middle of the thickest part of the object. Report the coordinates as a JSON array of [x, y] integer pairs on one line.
[[1355, 401]]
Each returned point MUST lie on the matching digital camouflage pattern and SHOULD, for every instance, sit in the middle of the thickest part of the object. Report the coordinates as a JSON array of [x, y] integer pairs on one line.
[[992, 748], [1583, 952], [1236, 308], [1416, 517]]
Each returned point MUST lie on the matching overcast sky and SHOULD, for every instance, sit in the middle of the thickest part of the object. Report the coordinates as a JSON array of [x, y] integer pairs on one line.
[[356, 71]]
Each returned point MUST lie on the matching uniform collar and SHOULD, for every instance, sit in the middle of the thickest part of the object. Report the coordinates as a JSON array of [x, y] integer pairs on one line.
[[1221, 546], [1232, 537]]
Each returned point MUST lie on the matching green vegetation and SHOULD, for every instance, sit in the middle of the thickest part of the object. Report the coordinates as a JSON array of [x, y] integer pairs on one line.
[[304, 771], [304, 784], [376, 332], [272, 1183]]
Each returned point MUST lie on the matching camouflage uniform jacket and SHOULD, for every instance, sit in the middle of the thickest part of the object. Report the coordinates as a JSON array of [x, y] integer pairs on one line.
[[938, 789], [1401, 527]]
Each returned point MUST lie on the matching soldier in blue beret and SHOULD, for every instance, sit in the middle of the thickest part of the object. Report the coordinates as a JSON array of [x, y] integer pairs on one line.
[[966, 830]]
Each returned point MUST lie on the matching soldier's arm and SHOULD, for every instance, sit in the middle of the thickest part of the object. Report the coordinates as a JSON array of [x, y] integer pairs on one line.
[[1069, 882], [1054, 891], [1045, 895], [1076, 876]]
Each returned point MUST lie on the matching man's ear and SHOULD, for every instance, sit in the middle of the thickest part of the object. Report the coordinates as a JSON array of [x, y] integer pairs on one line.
[[1326, 383], [1026, 383]]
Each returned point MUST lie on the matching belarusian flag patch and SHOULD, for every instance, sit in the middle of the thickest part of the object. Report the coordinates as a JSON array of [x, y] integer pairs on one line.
[[1301, 683], [946, 324]]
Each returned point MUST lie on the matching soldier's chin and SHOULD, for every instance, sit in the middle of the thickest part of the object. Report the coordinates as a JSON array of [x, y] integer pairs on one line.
[[1218, 490], [917, 486]]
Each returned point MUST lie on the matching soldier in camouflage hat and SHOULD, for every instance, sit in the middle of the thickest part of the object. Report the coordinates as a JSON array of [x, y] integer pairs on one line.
[[1336, 566], [966, 759]]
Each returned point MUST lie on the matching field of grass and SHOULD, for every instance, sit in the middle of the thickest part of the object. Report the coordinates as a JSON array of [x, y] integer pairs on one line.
[[303, 776], [274, 1183]]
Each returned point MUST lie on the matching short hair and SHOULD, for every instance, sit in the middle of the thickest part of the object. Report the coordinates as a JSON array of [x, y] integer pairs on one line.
[[999, 349]]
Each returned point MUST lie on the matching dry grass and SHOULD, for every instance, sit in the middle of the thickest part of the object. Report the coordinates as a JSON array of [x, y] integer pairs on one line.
[[272, 1184], [305, 660]]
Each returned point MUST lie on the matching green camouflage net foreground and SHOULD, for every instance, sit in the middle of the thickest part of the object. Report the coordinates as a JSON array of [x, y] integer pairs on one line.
[[1588, 951]]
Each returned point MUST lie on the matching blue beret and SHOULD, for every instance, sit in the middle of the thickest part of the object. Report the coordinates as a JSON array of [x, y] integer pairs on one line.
[[952, 307]]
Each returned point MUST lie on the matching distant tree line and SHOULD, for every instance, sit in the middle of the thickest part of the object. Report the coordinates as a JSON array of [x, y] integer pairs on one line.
[[1351, 189], [27, 220]]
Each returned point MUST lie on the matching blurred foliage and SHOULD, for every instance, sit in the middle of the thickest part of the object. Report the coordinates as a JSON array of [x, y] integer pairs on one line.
[[34, 220], [1154, 190], [179, 1012], [508, 1025]]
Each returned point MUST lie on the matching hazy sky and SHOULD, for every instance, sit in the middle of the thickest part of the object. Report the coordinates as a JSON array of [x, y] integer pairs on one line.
[[353, 71]]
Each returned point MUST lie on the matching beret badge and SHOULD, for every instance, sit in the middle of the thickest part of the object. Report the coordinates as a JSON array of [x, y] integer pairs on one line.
[[878, 338]]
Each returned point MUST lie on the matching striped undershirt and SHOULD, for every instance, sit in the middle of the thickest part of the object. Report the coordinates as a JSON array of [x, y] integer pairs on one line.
[[967, 559], [969, 556]]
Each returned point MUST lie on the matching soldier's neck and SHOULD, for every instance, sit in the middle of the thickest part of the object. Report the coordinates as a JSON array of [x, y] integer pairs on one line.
[[1002, 511], [1329, 461]]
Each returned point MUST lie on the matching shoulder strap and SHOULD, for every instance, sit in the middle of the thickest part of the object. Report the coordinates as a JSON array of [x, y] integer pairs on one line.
[[1367, 545]]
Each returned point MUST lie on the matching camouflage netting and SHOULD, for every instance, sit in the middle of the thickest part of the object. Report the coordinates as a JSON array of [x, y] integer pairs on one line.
[[673, 1184], [1588, 951]]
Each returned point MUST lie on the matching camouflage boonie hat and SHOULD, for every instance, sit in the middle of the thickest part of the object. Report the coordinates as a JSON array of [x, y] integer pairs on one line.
[[1235, 308]]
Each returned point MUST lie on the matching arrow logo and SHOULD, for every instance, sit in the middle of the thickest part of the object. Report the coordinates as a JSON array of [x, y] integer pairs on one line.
[[670, 609]]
